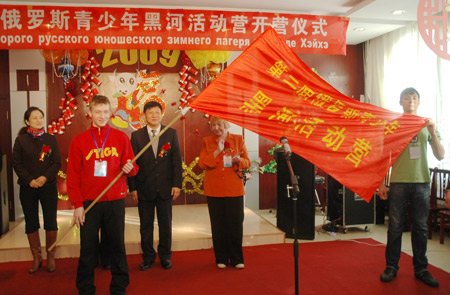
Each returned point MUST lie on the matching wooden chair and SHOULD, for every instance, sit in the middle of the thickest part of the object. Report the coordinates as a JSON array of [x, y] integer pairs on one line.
[[440, 180], [445, 223]]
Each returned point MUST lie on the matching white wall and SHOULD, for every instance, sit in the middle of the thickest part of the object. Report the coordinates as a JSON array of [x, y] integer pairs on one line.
[[252, 186], [24, 60]]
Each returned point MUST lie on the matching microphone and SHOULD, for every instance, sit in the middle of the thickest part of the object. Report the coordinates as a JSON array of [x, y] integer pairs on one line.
[[287, 148]]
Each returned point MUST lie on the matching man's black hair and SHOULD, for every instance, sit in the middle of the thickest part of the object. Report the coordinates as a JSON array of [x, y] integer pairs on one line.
[[152, 104]]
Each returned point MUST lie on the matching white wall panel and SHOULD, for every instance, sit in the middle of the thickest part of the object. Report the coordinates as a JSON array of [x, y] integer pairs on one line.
[[24, 60]]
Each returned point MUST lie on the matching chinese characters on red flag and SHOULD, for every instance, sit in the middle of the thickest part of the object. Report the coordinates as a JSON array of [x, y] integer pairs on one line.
[[270, 91], [63, 27]]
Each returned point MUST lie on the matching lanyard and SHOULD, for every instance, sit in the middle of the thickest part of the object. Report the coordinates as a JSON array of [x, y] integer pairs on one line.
[[100, 152]]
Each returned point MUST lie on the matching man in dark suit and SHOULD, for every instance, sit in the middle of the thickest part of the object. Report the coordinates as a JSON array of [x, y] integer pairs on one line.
[[157, 184]]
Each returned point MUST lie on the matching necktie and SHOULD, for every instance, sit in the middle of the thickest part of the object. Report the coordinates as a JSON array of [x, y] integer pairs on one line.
[[155, 143]]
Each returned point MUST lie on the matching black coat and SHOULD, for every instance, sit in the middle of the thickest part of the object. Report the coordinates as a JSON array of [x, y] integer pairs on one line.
[[26, 154], [158, 174]]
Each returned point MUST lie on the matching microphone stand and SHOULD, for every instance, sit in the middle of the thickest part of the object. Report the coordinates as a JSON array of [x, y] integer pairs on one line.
[[296, 192]]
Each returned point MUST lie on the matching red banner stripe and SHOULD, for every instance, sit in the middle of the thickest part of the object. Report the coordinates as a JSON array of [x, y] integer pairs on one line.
[[61, 27]]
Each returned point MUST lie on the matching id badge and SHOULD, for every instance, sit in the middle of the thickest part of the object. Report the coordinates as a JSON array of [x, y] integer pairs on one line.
[[227, 161], [414, 152], [100, 168]]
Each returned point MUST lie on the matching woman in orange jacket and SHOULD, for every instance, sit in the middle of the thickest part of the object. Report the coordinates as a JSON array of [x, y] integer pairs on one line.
[[223, 155]]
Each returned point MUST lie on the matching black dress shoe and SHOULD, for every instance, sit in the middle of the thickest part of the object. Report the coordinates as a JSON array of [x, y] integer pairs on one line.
[[427, 278], [145, 265], [388, 275], [166, 264]]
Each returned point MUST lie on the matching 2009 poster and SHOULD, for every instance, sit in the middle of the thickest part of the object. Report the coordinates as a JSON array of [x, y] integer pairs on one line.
[[133, 77]]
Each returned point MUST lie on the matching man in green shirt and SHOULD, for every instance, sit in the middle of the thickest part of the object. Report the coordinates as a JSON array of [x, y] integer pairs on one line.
[[410, 183]]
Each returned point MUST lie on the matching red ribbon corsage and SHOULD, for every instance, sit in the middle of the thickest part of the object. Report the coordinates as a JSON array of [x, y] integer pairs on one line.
[[44, 151], [164, 150], [227, 147]]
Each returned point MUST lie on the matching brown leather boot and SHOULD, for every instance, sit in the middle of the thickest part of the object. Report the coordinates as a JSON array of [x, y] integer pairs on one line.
[[50, 238], [35, 246]]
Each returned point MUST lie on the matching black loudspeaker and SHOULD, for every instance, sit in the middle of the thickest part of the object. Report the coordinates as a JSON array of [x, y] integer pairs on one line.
[[347, 208], [305, 171]]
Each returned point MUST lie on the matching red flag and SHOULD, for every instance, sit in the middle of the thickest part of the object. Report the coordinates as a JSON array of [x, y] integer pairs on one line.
[[270, 91]]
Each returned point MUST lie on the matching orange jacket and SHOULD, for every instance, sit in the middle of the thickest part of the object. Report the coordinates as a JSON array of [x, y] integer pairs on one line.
[[221, 181]]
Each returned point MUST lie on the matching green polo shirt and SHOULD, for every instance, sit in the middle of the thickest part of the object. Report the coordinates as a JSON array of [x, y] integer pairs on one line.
[[412, 164]]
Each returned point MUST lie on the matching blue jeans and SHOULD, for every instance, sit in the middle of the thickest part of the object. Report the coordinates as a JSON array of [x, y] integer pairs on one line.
[[418, 195]]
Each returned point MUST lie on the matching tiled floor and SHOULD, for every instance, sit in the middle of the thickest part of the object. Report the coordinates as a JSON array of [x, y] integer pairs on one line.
[[438, 254]]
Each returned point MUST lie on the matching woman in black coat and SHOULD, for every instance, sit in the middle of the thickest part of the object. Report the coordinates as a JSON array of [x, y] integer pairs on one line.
[[36, 161]]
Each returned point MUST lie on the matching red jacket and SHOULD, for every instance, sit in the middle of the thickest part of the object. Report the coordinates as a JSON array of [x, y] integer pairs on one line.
[[220, 181], [82, 185]]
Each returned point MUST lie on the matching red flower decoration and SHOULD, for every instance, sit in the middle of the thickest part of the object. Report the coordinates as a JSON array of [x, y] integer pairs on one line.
[[227, 147], [44, 151], [45, 148], [165, 148]]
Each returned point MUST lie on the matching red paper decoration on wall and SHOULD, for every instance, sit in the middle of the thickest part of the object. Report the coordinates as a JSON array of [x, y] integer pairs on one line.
[[68, 104]]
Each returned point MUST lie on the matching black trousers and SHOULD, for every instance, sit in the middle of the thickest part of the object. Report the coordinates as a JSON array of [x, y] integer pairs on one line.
[[105, 249], [30, 198], [227, 218], [147, 219], [110, 216]]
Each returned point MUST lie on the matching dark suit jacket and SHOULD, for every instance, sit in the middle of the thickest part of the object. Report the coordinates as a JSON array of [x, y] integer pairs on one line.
[[158, 174]]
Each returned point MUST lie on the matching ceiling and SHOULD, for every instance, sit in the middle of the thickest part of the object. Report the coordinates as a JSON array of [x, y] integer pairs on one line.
[[375, 16]]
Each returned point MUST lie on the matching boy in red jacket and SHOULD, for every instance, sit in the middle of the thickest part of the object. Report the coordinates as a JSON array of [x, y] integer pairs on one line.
[[96, 157]]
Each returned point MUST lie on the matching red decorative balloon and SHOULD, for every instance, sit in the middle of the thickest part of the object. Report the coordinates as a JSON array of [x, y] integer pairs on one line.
[[79, 56], [53, 55]]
